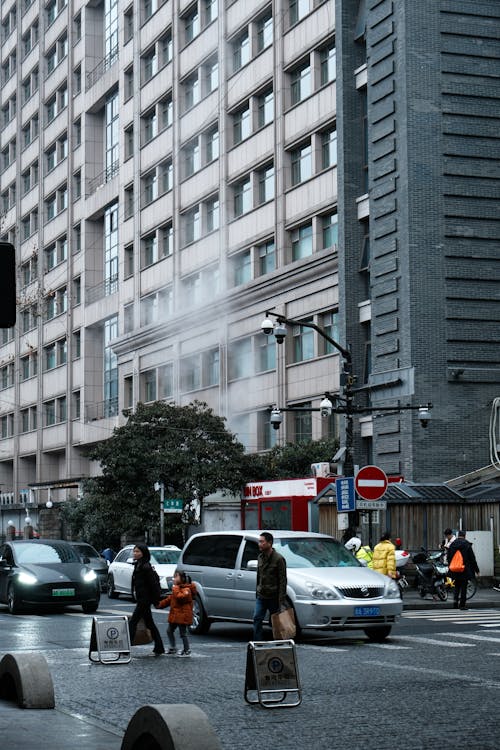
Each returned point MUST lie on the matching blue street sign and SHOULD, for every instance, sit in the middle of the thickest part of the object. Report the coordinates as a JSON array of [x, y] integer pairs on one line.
[[346, 499]]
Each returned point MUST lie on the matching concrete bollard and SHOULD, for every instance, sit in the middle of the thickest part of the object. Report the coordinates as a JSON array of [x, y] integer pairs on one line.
[[25, 679], [170, 727]]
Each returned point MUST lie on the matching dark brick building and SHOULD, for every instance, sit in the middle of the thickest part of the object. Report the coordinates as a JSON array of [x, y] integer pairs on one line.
[[419, 141]]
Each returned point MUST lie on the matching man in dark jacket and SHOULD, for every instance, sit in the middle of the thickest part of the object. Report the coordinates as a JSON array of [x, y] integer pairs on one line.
[[271, 583], [471, 568], [146, 588]]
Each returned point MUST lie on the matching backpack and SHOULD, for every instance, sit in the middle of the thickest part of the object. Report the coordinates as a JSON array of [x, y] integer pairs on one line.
[[457, 564]]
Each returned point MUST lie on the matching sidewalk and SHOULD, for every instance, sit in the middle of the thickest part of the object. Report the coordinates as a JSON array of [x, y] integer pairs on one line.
[[484, 598]]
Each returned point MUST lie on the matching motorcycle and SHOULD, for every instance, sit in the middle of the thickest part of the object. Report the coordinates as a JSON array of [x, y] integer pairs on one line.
[[431, 574], [402, 558]]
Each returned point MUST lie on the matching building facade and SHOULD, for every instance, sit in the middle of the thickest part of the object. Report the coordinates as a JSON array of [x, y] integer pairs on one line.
[[171, 171]]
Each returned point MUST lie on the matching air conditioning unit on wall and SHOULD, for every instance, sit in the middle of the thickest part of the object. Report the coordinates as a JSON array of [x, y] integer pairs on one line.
[[321, 469]]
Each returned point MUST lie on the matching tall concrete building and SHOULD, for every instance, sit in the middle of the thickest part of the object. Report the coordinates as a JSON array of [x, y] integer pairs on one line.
[[171, 171]]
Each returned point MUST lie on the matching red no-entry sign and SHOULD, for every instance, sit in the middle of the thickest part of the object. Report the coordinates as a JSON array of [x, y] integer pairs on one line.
[[371, 483]]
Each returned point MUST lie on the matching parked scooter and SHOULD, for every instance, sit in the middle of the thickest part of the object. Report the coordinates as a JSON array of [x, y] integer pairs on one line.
[[402, 558], [431, 574]]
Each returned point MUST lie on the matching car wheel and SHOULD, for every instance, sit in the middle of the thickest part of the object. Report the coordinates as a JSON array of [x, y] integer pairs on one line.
[[378, 634], [112, 594], [13, 601], [90, 607], [201, 623]]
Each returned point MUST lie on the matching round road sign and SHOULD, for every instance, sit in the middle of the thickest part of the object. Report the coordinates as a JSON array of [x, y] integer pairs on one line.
[[371, 483]]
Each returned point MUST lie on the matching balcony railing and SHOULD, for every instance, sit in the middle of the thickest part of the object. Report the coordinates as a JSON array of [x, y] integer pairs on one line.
[[104, 289], [101, 67], [104, 177], [101, 409]]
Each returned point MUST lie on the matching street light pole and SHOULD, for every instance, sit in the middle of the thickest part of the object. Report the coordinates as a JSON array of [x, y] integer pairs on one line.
[[159, 486]]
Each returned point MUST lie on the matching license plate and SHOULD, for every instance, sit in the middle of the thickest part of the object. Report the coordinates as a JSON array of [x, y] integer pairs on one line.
[[366, 611], [63, 592]]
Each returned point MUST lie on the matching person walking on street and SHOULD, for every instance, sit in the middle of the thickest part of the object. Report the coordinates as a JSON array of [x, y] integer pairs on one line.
[[180, 616], [471, 568], [146, 588], [271, 583], [384, 556], [449, 538]]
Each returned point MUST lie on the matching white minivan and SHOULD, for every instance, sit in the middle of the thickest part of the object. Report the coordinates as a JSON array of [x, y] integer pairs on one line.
[[326, 585]]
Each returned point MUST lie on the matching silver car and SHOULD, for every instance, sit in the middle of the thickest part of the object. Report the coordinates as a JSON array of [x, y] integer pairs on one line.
[[326, 586]]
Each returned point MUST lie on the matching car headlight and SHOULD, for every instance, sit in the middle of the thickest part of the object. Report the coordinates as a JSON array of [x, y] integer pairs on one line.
[[392, 590], [26, 578], [89, 576], [318, 591]]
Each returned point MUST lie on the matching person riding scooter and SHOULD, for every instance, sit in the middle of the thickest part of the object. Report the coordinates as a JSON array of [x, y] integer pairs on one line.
[[361, 552]]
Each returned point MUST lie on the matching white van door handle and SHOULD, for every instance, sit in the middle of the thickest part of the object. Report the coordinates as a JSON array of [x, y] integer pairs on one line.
[[229, 575]]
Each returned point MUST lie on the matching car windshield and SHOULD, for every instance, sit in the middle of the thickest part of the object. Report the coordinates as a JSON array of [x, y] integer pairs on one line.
[[165, 556], [315, 553], [38, 554], [87, 551]]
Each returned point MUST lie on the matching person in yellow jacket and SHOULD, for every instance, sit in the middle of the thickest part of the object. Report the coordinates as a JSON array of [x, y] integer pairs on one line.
[[384, 556], [362, 552]]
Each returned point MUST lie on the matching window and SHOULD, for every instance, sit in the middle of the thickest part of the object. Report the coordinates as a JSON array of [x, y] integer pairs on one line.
[[241, 51], [264, 31], [211, 367], [150, 126], [166, 240], [303, 343], [241, 125], [128, 25], [301, 161], [329, 149], [150, 249], [265, 108], [301, 83], [242, 268], [76, 404], [241, 359], [192, 225], [49, 413], [329, 230], [328, 62], [128, 82], [128, 195], [148, 385], [128, 318], [191, 25], [7, 376], [190, 373], [302, 423], [330, 325], [156, 307], [165, 381], [266, 184], [55, 354], [76, 344], [29, 270], [191, 91], [266, 353], [129, 141], [302, 242], [242, 192], [211, 10], [297, 10], [166, 109], [212, 207], [192, 160], [149, 8], [211, 76], [267, 257], [212, 145], [149, 64]]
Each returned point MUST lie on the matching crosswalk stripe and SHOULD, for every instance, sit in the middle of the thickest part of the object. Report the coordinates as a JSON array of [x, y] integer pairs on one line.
[[473, 637], [433, 641]]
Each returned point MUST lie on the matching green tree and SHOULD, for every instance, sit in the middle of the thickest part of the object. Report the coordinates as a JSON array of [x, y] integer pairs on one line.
[[291, 460], [188, 448]]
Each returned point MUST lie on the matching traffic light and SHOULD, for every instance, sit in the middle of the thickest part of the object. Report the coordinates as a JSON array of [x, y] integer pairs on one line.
[[7, 285]]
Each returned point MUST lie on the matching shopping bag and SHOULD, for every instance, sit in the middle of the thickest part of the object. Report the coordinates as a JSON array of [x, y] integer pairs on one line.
[[142, 635], [283, 624]]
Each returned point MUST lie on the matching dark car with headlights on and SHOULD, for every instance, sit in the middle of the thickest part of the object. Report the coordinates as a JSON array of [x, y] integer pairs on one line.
[[91, 557], [45, 572]]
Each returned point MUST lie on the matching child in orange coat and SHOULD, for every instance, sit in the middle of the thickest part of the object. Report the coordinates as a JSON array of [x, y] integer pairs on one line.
[[180, 616]]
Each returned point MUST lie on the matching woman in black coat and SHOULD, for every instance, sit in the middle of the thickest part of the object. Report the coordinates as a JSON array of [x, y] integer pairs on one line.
[[147, 590]]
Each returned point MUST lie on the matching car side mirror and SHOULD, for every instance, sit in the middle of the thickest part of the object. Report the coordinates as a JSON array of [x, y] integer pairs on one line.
[[130, 560], [85, 559], [252, 565], [3, 563]]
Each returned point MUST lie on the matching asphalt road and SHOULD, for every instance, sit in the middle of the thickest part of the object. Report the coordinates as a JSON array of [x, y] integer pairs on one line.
[[434, 683]]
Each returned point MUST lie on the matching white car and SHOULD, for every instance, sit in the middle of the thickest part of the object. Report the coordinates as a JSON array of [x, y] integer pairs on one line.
[[163, 559]]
